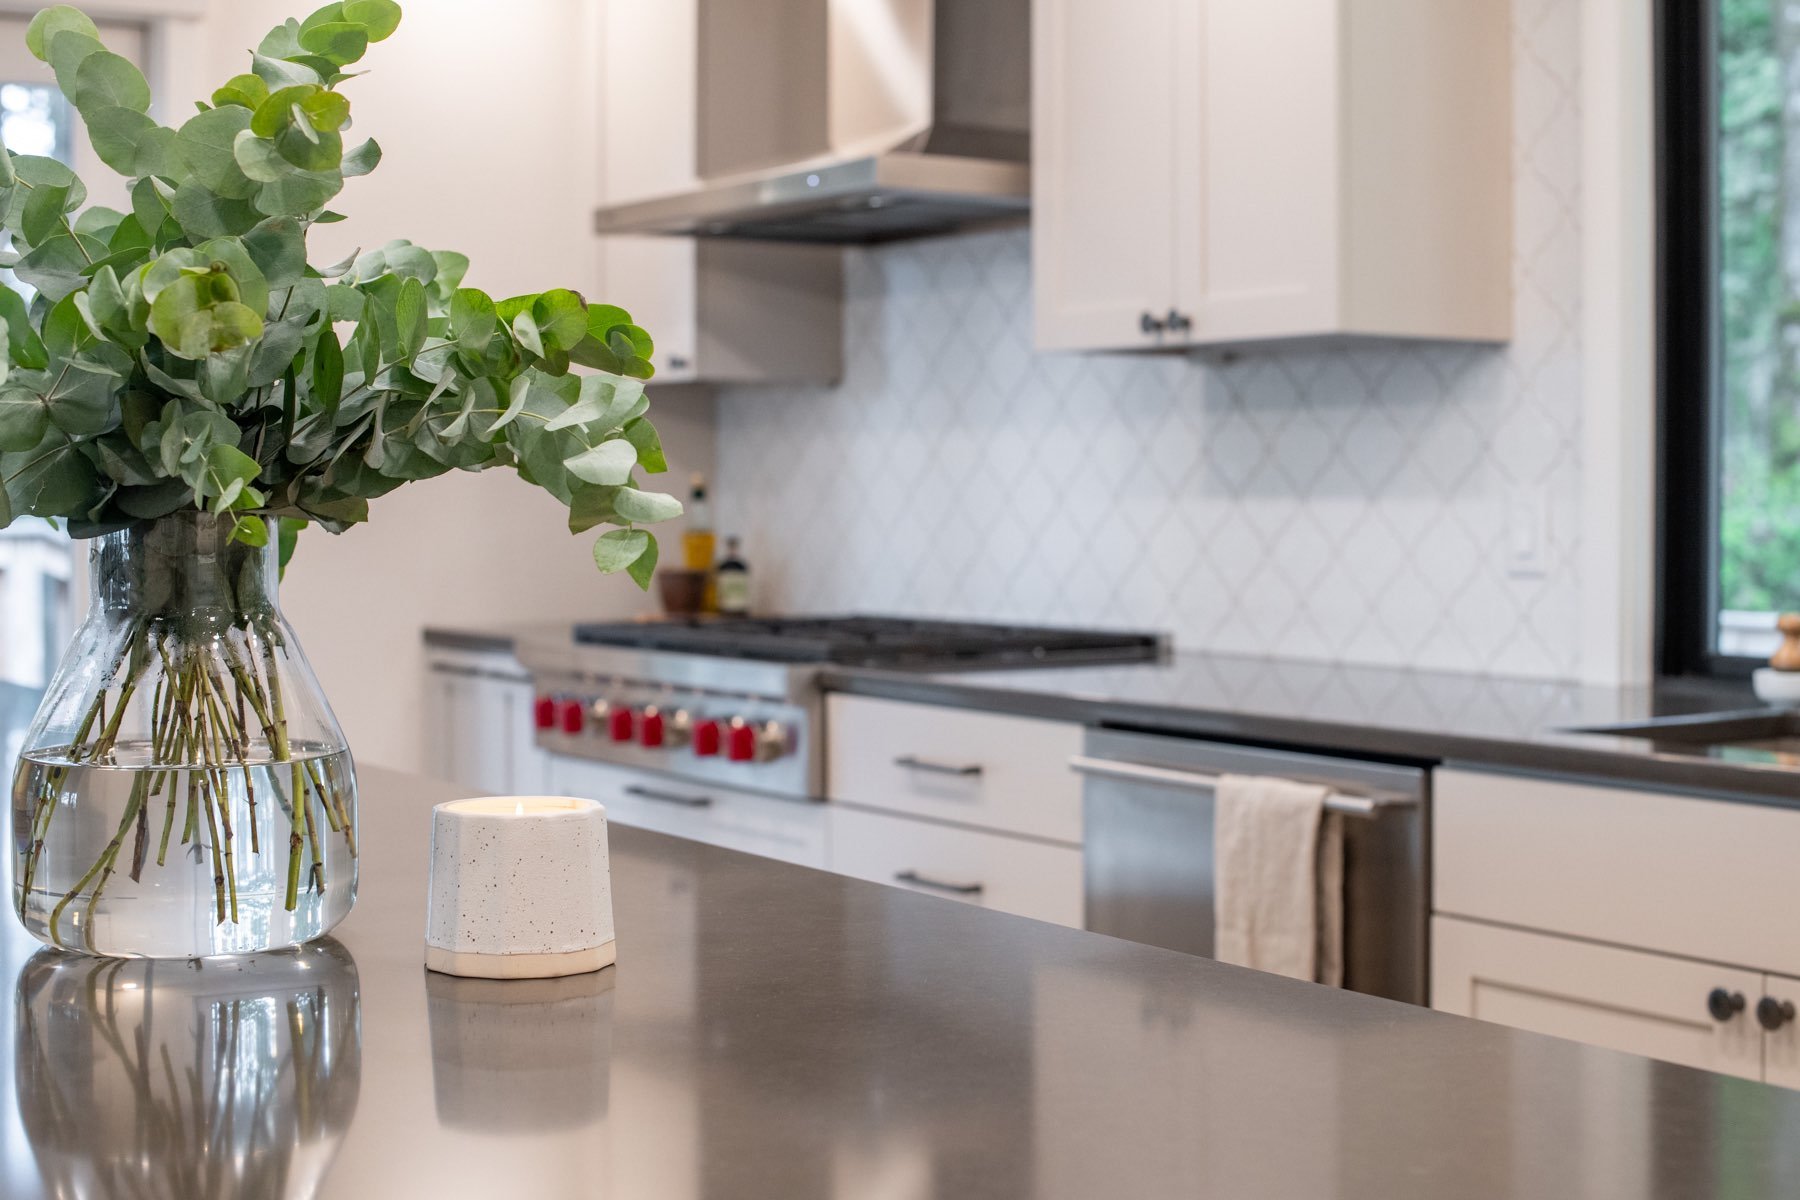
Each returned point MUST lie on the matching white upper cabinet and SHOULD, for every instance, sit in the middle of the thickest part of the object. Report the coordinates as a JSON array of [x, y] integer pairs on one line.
[[720, 312], [1219, 171]]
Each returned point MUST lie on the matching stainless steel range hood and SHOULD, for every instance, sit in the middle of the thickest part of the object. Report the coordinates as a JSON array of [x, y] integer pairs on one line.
[[852, 121]]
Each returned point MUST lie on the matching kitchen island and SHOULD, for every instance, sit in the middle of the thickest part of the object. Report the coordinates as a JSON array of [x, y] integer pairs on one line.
[[775, 1031]]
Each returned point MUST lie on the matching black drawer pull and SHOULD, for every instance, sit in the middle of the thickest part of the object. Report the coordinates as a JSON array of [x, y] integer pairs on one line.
[[911, 763], [1724, 1005], [1772, 1014], [937, 885], [644, 793]]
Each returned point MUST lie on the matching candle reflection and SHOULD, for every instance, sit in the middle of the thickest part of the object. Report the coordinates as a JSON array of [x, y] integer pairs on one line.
[[520, 1055], [184, 1078]]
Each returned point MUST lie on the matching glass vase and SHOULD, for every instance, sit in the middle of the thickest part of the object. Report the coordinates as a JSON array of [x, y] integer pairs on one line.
[[184, 790]]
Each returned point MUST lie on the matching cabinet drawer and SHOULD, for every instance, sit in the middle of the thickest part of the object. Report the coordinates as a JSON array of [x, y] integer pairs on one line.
[[1709, 879], [1626, 1000], [788, 830], [1005, 773], [1009, 874]]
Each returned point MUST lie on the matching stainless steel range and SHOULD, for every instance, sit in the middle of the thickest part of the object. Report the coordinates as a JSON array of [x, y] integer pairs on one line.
[[737, 702]]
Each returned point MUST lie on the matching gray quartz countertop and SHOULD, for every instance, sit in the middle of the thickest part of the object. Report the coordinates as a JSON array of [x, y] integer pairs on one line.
[[772, 1031], [1425, 716]]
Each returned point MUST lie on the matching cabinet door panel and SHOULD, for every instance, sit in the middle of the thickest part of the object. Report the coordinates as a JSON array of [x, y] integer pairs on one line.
[[1257, 257], [1621, 999], [1781, 1047], [655, 279], [1103, 169]]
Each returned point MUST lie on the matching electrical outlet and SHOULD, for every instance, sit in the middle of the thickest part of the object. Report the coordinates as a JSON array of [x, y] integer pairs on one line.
[[1527, 533]]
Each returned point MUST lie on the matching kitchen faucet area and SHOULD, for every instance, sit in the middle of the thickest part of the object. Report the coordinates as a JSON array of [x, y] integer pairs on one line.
[[889, 599]]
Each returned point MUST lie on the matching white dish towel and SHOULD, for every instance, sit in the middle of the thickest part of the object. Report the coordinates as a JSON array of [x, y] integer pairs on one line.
[[1278, 878]]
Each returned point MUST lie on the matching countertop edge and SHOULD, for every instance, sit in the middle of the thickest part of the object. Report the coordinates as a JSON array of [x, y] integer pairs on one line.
[[1571, 757]]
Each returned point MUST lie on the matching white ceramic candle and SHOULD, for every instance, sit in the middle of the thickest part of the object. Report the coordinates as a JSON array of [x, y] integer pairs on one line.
[[520, 888]]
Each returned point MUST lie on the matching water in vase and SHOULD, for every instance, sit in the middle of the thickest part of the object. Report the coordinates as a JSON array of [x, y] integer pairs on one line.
[[183, 861]]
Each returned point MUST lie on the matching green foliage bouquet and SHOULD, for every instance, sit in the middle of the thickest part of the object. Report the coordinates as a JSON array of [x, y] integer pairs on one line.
[[185, 355], [187, 390]]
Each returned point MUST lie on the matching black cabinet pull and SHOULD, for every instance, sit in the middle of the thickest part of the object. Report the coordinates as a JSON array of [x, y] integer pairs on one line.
[[936, 885], [1151, 324], [912, 763], [1772, 1014], [1178, 322], [644, 793], [1724, 1005]]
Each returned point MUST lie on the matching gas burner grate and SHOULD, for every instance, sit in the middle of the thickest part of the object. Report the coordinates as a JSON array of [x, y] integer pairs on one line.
[[875, 641]]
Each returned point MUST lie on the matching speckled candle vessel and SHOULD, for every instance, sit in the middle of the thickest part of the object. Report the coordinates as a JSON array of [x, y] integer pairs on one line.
[[520, 888]]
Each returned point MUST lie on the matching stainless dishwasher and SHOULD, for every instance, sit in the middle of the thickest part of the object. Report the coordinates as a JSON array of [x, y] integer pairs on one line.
[[1147, 804]]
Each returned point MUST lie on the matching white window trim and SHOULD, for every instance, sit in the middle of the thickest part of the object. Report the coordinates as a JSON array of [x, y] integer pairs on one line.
[[1618, 379]]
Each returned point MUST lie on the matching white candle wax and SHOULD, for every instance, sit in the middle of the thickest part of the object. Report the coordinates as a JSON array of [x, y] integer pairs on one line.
[[520, 888]]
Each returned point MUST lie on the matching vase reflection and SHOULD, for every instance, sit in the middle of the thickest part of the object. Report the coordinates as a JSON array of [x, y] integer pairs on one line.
[[520, 1055], [184, 1078]]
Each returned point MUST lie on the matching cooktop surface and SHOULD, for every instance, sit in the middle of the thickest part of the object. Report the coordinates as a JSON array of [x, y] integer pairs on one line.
[[875, 641]]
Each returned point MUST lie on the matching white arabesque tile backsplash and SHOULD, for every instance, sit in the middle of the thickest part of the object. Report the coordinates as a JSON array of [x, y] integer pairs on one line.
[[1346, 503]]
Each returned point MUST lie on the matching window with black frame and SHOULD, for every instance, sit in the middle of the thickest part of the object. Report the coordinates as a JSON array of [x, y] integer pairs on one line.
[[1730, 181]]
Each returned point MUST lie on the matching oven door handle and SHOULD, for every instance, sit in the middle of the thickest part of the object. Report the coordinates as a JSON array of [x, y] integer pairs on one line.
[[645, 793], [1345, 803]]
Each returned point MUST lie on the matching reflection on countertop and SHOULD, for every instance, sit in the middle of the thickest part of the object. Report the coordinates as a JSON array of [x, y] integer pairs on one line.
[[170, 1079], [776, 1031]]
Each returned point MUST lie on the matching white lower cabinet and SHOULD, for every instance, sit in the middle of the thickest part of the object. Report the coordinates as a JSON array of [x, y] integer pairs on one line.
[[1008, 874], [1647, 922], [479, 730], [1630, 1000], [790, 830]]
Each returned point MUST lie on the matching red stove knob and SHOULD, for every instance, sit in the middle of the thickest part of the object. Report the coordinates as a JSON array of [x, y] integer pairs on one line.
[[740, 742], [619, 723], [706, 738], [543, 713], [572, 715], [650, 729]]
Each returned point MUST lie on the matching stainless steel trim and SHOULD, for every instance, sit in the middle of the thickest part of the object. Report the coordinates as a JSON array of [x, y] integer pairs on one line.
[[645, 793], [914, 763], [1346, 803], [958, 889], [981, 186]]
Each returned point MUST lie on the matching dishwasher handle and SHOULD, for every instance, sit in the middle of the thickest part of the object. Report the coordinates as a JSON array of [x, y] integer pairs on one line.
[[1349, 804]]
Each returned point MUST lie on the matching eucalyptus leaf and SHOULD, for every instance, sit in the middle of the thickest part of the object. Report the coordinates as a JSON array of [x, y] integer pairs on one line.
[[619, 548], [361, 159], [49, 22], [108, 80], [634, 505], [609, 463], [643, 568]]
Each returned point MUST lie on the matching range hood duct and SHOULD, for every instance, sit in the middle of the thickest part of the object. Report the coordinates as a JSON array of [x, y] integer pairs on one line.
[[852, 121]]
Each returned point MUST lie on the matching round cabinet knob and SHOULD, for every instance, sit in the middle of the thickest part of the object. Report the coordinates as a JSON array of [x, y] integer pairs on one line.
[[771, 741], [740, 741], [707, 736], [1772, 1014], [1150, 323], [1724, 1005], [1178, 322], [571, 716], [543, 712], [619, 723], [651, 728]]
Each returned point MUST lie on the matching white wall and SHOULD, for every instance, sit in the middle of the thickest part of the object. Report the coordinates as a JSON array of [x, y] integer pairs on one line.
[[480, 112]]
